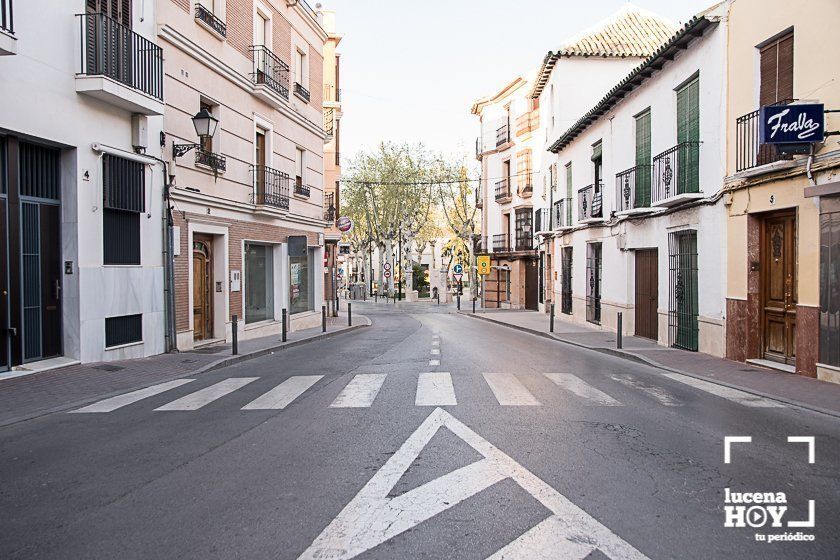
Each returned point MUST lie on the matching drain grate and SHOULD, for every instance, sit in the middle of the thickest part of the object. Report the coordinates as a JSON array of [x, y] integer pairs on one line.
[[108, 367]]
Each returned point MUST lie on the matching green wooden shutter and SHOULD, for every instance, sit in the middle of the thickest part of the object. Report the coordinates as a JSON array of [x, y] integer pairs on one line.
[[569, 194], [643, 160], [688, 133]]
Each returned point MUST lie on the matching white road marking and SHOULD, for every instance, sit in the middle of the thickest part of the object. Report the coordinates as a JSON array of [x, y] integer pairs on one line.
[[205, 396], [436, 343], [509, 391], [372, 518], [435, 389], [360, 392], [120, 401], [661, 395], [434, 362], [284, 394], [435, 352], [582, 389], [740, 397]]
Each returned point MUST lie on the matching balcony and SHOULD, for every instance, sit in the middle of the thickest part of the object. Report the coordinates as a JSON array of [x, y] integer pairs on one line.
[[211, 160], [302, 92], [270, 76], [501, 243], [524, 240], [8, 41], [331, 94], [208, 20], [562, 213], [302, 190], [329, 122], [118, 66], [526, 185], [527, 122], [542, 220], [590, 208], [329, 213], [676, 175], [271, 187], [632, 190], [503, 195], [749, 152], [502, 135]]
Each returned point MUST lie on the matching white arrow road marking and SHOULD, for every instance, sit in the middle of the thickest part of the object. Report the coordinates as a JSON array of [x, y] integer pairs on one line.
[[509, 391], [205, 396], [582, 389], [371, 518], [120, 401], [360, 392], [435, 389], [284, 394]]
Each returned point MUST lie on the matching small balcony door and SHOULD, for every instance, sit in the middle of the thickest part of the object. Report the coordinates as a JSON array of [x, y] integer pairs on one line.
[[643, 161], [688, 131], [259, 163]]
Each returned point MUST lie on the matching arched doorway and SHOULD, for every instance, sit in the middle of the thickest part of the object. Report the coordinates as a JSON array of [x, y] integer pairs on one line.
[[202, 289]]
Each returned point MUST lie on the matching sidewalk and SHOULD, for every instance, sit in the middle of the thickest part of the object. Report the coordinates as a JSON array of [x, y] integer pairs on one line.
[[37, 394], [798, 390]]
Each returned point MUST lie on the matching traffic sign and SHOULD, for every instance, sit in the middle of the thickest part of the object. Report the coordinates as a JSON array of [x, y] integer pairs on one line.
[[387, 274], [483, 263], [386, 266], [458, 276], [458, 268]]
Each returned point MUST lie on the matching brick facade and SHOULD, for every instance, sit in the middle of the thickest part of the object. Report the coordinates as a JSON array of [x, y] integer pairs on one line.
[[237, 232]]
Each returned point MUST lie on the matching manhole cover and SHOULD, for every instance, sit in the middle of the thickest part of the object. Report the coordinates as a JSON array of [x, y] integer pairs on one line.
[[108, 367]]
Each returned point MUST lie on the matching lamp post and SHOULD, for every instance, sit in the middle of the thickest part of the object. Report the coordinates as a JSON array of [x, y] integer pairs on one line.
[[205, 126]]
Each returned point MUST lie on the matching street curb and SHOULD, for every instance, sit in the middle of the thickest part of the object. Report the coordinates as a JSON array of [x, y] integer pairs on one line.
[[652, 363], [218, 364]]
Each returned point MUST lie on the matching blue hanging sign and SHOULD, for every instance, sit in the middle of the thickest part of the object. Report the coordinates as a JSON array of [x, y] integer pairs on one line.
[[792, 124]]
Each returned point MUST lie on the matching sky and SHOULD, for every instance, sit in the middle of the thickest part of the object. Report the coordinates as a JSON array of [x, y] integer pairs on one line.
[[410, 70]]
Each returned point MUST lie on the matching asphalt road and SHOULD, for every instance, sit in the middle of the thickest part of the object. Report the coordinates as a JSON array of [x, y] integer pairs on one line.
[[602, 458]]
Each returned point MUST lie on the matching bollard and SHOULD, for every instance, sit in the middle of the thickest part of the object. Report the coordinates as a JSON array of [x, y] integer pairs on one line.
[[235, 335], [283, 315], [349, 314], [551, 321], [323, 318], [473, 305], [618, 341]]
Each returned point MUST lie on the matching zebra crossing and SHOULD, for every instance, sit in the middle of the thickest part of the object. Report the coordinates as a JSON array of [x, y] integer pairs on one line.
[[432, 389]]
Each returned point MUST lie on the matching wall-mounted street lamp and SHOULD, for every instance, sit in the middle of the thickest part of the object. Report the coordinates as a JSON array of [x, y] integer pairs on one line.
[[205, 127]]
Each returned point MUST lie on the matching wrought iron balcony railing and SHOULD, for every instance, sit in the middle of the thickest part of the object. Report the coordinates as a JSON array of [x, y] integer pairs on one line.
[[329, 121], [501, 243], [632, 188], [270, 70], [502, 190], [302, 190], [209, 159], [112, 50], [590, 202], [526, 184], [562, 213], [502, 135], [302, 92], [676, 171], [749, 152], [542, 219], [271, 187], [208, 18], [7, 19]]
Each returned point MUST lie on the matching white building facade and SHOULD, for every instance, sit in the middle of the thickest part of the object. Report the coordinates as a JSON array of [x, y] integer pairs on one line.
[[82, 274], [645, 169]]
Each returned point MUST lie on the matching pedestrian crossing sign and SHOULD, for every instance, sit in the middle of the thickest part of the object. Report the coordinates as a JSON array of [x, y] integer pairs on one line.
[[483, 263]]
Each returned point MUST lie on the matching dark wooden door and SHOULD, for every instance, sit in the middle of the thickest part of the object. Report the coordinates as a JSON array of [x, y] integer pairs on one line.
[[532, 275], [778, 286], [647, 294], [202, 290], [50, 280], [4, 288]]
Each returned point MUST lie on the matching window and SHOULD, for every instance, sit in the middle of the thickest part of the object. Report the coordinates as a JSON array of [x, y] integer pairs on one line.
[[551, 104], [566, 281], [643, 161], [124, 194], [300, 67], [593, 283], [301, 280], [776, 68], [300, 165], [260, 30], [598, 172], [118, 10], [524, 229], [524, 172], [259, 283], [688, 137], [569, 192], [123, 330], [206, 143], [683, 327], [830, 281]]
